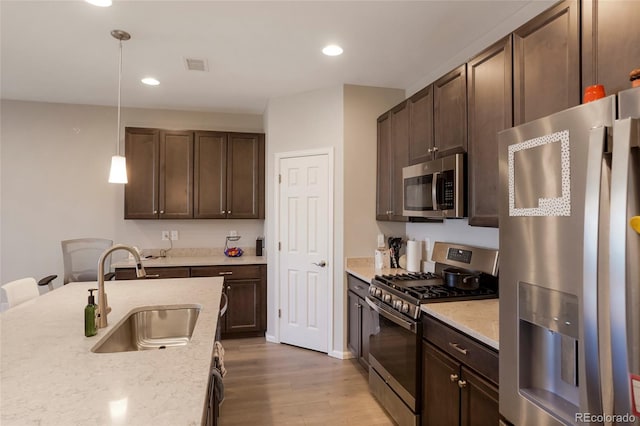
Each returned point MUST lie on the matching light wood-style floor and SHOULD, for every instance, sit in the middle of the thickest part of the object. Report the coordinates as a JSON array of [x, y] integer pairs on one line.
[[277, 384]]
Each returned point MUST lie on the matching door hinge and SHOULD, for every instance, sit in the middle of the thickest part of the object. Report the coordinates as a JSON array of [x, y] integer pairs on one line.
[[279, 178], [279, 313]]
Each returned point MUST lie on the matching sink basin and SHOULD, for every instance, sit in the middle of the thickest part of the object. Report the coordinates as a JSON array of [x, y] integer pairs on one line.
[[151, 328]]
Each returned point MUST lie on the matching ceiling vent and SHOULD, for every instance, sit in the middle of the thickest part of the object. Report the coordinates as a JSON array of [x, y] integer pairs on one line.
[[195, 64]]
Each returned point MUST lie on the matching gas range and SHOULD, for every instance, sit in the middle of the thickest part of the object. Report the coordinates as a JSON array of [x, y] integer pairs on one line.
[[405, 292]]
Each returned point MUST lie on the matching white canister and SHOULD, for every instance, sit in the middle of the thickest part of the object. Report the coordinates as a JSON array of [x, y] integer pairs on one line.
[[414, 255], [382, 259]]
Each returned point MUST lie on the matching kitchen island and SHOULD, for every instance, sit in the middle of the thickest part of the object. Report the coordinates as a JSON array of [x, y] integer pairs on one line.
[[50, 376]]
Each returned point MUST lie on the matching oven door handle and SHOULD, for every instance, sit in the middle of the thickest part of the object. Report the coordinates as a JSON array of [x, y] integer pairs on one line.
[[388, 314]]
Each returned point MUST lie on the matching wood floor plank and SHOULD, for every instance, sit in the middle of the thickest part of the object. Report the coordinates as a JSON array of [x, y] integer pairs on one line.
[[276, 384]]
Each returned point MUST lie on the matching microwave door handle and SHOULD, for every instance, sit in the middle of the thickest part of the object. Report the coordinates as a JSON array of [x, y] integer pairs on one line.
[[622, 273], [434, 191]]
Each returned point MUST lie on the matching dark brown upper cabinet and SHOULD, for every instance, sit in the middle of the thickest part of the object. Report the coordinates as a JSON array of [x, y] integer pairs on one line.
[[142, 151], [160, 172], [229, 175], [187, 174], [546, 63], [384, 165], [610, 43], [210, 175], [175, 193], [245, 176], [450, 113], [393, 155], [490, 111], [421, 126]]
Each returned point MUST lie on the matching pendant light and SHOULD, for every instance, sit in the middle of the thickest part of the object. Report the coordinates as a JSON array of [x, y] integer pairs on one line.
[[118, 173]]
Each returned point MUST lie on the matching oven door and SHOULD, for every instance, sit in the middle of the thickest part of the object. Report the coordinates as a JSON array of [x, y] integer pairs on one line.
[[395, 352]]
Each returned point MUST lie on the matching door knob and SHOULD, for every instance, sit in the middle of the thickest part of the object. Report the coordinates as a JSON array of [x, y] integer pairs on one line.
[[321, 264]]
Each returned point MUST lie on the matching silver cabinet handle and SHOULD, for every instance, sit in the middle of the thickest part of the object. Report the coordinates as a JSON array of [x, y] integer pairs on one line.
[[321, 264], [462, 384], [435, 148], [161, 211], [225, 273], [228, 287], [222, 212], [155, 212], [430, 150], [455, 346], [229, 212], [453, 378], [152, 276]]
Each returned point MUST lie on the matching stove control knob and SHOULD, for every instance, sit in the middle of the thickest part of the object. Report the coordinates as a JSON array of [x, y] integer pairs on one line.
[[405, 308], [387, 298], [372, 290], [378, 293], [397, 304]]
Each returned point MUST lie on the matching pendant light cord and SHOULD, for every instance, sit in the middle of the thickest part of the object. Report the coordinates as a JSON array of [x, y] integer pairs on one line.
[[119, 94]]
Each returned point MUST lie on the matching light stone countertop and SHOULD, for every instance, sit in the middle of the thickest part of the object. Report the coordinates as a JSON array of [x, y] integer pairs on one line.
[[476, 318], [51, 377], [212, 260]]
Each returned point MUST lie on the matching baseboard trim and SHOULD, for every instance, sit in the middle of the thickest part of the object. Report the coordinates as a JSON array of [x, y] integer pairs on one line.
[[271, 338], [341, 355]]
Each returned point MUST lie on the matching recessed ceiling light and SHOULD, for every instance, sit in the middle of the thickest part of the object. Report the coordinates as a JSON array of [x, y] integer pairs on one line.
[[150, 81], [332, 50], [101, 3]]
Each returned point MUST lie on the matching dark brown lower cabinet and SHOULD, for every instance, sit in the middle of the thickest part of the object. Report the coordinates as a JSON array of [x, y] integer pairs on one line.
[[459, 378], [360, 320], [246, 290]]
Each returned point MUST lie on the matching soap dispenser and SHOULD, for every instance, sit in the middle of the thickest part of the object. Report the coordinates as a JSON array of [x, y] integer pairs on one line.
[[90, 327]]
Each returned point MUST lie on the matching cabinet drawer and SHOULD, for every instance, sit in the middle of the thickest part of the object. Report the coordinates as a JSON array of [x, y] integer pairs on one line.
[[358, 286], [461, 347], [231, 272], [170, 272]]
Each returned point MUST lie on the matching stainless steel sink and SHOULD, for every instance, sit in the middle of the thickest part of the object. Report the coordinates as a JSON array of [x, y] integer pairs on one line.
[[151, 328]]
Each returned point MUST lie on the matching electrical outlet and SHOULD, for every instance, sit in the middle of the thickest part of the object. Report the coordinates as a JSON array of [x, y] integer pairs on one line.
[[174, 235], [165, 235], [233, 233]]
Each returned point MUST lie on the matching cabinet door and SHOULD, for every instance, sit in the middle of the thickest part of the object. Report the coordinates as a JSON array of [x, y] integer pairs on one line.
[[176, 174], [478, 400], [244, 312], [490, 111], [354, 327], [421, 126], [400, 155], [610, 43], [210, 175], [367, 328], [450, 113], [546, 63], [440, 391], [383, 176], [245, 176], [142, 151]]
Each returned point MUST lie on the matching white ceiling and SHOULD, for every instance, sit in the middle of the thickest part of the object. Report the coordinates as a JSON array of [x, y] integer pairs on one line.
[[62, 51]]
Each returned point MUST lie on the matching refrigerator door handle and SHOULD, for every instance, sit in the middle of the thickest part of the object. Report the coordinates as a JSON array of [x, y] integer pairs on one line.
[[623, 266], [592, 252]]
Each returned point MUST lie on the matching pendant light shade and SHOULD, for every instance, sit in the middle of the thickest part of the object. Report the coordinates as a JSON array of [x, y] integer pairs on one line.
[[118, 173]]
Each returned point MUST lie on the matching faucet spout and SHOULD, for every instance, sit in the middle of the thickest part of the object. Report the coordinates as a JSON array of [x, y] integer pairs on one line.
[[103, 308]]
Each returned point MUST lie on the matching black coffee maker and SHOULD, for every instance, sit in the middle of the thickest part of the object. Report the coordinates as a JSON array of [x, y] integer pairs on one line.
[[395, 243]]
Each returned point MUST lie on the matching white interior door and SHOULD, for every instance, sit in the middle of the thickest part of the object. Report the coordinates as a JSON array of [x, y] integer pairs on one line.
[[303, 236]]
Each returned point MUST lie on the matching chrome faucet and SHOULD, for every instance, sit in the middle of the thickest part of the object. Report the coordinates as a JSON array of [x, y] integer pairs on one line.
[[103, 307]]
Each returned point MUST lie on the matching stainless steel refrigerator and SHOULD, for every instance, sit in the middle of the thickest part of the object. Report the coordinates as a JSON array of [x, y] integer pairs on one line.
[[570, 266]]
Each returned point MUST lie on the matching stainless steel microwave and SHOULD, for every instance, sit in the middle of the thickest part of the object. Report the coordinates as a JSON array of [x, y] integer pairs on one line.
[[435, 189]]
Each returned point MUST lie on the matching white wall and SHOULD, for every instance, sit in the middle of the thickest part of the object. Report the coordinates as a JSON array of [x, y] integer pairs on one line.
[[305, 121], [54, 167], [362, 106]]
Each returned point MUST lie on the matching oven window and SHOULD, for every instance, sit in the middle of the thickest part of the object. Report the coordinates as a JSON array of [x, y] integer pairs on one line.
[[417, 193], [396, 349]]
